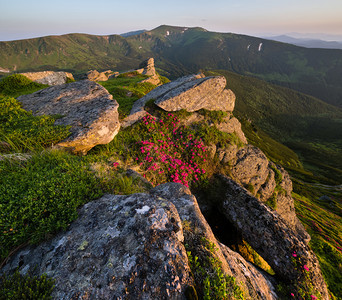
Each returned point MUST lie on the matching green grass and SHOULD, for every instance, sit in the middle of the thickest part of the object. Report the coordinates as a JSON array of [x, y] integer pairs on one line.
[[16, 85], [320, 210], [17, 286], [22, 132], [206, 269], [126, 89], [40, 197]]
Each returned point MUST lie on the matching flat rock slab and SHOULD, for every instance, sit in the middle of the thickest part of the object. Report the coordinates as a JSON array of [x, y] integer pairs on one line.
[[138, 112], [84, 105], [207, 93]]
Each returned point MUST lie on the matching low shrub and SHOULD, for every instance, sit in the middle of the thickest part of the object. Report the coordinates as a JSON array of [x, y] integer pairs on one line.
[[17, 286], [23, 131], [40, 196], [17, 84]]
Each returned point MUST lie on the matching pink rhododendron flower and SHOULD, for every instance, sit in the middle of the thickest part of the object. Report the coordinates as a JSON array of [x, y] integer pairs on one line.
[[306, 268]]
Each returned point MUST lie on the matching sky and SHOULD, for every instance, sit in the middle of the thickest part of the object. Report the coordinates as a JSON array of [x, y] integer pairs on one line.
[[21, 19]]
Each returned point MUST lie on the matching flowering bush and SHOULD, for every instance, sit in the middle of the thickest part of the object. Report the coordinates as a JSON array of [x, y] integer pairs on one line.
[[170, 152], [303, 285]]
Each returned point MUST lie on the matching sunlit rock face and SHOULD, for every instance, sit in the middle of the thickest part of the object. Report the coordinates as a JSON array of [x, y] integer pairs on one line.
[[84, 105], [49, 77]]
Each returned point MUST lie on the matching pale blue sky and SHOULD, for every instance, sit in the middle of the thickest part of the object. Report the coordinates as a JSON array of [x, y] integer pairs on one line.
[[31, 18]]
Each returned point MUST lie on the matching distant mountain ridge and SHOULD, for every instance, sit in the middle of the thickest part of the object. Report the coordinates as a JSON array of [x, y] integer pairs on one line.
[[308, 43], [130, 33], [181, 50]]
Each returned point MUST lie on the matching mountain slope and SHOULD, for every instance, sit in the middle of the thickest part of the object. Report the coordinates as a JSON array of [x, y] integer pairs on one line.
[[309, 126], [181, 50]]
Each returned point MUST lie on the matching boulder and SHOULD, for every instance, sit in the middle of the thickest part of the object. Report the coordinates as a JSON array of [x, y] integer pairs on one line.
[[85, 106], [207, 93], [138, 112], [94, 75], [125, 247], [250, 167], [49, 77], [270, 236]]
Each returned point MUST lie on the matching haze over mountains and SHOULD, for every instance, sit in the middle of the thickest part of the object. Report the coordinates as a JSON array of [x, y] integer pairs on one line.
[[181, 50], [307, 42]]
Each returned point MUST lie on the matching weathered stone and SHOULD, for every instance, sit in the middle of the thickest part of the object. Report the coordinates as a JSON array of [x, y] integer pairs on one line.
[[256, 282], [124, 247], [250, 167], [120, 247], [94, 75], [84, 105], [267, 188], [207, 93], [49, 77], [138, 112], [147, 68], [15, 157], [269, 235], [227, 155], [232, 125]]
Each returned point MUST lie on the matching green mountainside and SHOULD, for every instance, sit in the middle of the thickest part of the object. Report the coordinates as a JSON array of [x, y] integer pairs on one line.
[[180, 50], [309, 126]]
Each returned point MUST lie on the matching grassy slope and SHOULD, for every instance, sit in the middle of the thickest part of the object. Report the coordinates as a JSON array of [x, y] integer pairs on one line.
[[310, 127], [314, 71]]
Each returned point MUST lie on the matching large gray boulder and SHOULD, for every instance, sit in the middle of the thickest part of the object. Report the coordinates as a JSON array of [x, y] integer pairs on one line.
[[85, 106], [138, 112], [49, 77], [207, 93], [269, 234], [125, 247]]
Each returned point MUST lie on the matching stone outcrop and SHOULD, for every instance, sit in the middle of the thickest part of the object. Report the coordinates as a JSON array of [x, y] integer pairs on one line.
[[251, 168], [192, 93], [147, 68], [138, 112], [124, 247], [270, 236], [49, 77], [207, 93], [95, 75], [85, 106], [232, 125]]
